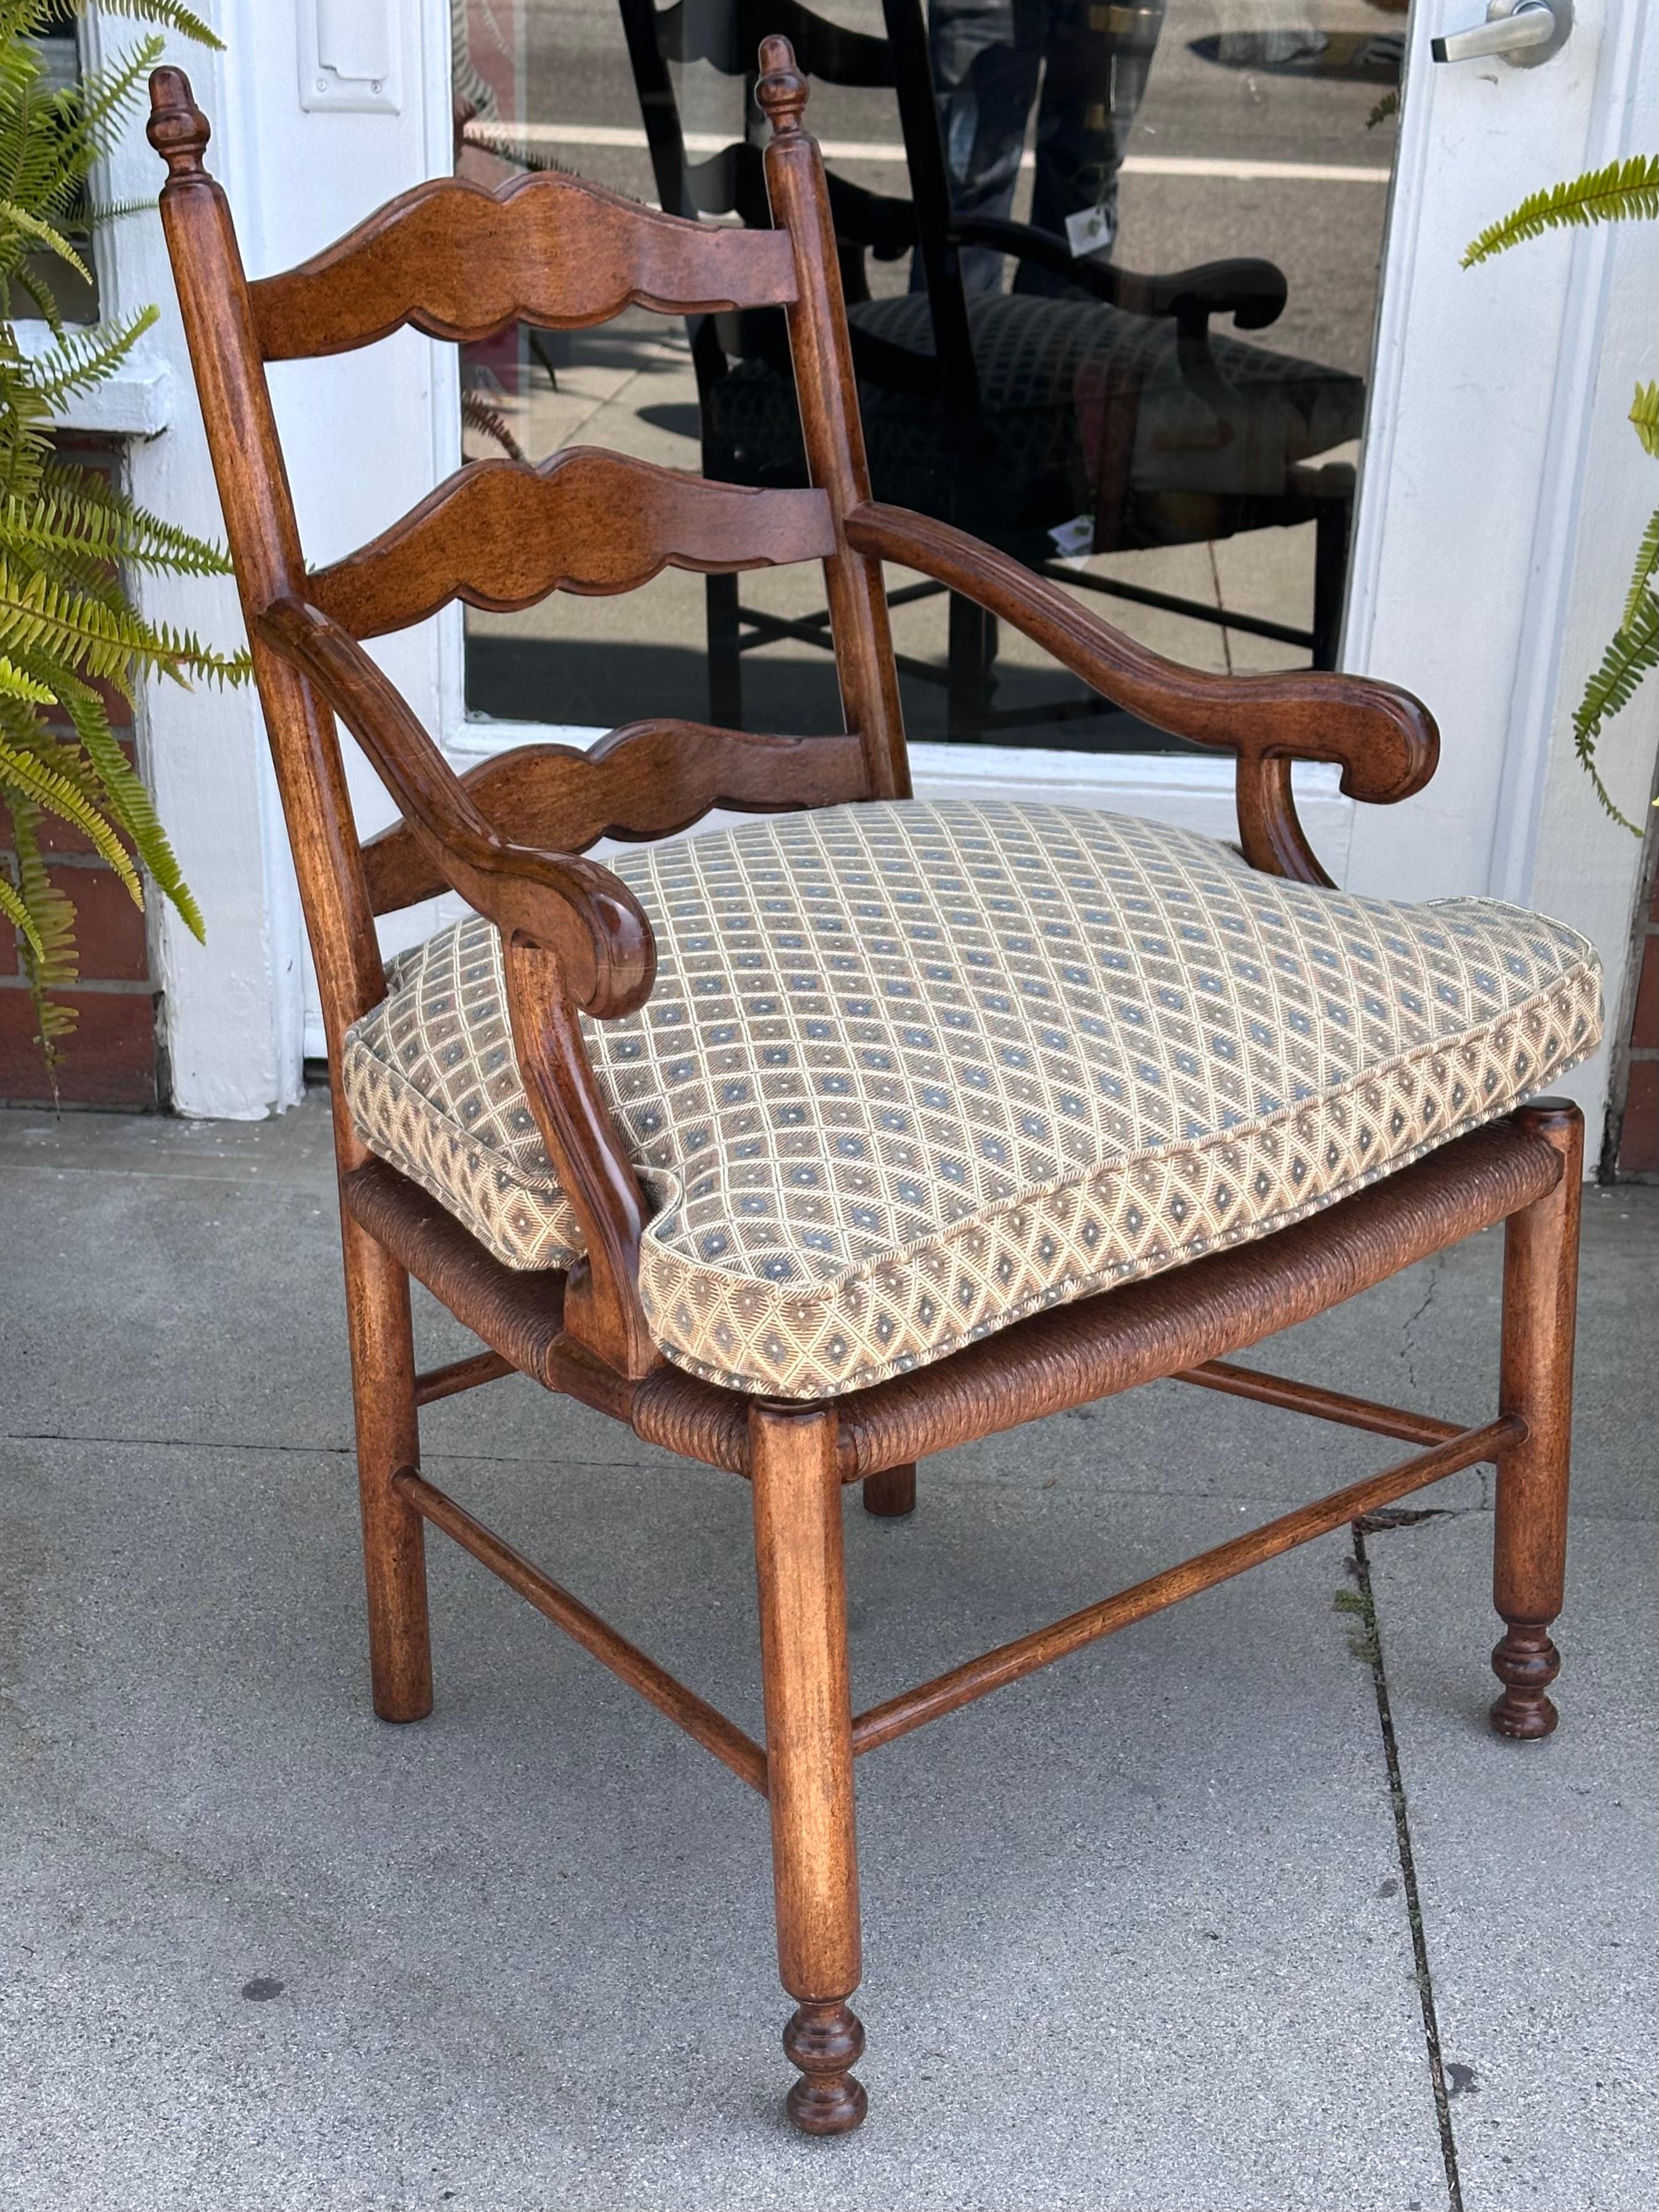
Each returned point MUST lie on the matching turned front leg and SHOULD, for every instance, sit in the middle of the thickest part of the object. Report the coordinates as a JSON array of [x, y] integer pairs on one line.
[[803, 1656], [1540, 1300]]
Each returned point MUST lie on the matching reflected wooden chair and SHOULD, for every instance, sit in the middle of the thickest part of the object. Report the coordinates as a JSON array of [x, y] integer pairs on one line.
[[811, 1147]]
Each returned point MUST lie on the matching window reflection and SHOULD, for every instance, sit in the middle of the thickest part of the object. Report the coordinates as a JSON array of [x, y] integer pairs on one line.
[[1112, 273]]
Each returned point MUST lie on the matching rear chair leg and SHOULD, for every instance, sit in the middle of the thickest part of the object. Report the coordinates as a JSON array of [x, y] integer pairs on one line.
[[892, 1493], [803, 1658], [1540, 1295], [388, 1439]]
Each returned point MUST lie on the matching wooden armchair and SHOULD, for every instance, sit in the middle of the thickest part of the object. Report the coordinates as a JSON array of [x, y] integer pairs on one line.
[[811, 1147]]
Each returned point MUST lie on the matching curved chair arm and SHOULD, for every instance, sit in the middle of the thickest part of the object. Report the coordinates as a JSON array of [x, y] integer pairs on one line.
[[572, 908], [1384, 740], [1252, 292], [574, 937]]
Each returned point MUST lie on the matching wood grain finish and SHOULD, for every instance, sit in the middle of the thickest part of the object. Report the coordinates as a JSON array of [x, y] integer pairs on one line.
[[602, 1309], [830, 424], [803, 1642], [1384, 739], [454, 260], [502, 535], [459, 1375], [458, 261], [389, 1445], [258, 514], [646, 780], [699, 1719], [1011, 1662], [1323, 1405], [581, 914], [1530, 1537]]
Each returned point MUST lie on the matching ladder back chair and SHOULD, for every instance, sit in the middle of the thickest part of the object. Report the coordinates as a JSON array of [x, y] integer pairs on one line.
[[813, 1146]]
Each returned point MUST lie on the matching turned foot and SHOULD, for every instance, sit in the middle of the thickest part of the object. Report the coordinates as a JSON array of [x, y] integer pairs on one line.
[[893, 1493], [825, 2040], [1526, 1663]]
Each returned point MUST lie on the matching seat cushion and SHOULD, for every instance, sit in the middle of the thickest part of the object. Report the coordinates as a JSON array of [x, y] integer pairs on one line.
[[911, 1071]]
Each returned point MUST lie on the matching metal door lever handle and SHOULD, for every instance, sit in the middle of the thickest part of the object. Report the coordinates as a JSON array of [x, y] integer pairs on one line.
[[1522, 32]]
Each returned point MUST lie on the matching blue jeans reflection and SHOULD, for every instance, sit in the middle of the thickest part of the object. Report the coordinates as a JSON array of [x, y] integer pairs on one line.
[[1091, 58]]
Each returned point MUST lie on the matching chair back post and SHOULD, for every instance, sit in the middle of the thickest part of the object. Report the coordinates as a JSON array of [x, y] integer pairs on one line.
[[259, 516], [830, 427]]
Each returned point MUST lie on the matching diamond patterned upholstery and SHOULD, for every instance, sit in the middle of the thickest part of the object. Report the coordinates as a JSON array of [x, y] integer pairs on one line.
[[912, 1071]]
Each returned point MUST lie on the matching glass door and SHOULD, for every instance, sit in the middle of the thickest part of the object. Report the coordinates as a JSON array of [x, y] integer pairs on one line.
[[1170, 424]]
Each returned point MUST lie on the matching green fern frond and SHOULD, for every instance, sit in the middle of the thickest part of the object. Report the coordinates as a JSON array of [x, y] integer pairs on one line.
[[16, 913], [46, 235], [1622, 190], [51, 789], [82, 359], [1388, 105], [94, 111], [16, 684], [1632, 653], [130, 803], [68, 537], [41, 296], [50, 962], [39, 615], [58, 520], [1647, 563], [97, 213], [1644, 413], [176, 17]]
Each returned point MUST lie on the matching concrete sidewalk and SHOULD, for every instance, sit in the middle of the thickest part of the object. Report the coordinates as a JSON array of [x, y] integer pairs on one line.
[[1146, 1934]]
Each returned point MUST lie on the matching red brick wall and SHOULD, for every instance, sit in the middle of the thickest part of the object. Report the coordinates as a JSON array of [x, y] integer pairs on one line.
[[110, 1059]]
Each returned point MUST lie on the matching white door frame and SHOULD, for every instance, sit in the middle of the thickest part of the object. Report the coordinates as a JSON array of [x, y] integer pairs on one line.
[[1503, 494]]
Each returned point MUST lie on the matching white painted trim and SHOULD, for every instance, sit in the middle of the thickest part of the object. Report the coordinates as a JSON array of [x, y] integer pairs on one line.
[[1569, 487], [228, 1013], [1501, 495], [137, 402]]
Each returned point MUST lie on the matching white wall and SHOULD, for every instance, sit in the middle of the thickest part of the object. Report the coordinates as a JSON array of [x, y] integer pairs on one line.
[[357, 433], [1504, 493]]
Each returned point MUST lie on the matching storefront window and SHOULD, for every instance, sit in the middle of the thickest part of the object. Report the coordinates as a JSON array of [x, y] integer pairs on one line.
[[1170, 421]]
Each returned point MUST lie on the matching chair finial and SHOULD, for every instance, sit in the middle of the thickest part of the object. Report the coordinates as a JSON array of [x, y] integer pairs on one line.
[[782, 91], [178, 130]]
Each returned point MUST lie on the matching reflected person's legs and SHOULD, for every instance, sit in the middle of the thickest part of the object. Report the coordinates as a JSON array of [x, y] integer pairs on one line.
[[986, 56], [1096, 63]]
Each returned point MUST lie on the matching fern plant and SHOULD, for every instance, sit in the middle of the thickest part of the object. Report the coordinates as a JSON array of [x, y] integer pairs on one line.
[[69, 631], [1622, 191]]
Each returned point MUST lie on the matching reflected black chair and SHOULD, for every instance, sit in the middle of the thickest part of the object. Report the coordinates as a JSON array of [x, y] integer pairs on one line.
[[1008, 414]]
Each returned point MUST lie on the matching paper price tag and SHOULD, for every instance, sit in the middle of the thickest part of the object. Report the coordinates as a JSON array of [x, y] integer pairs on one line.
[[1088, 230], [1074, 540]]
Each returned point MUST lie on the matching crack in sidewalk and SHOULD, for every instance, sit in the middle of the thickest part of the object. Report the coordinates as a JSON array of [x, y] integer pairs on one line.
[[1369, 1646]]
